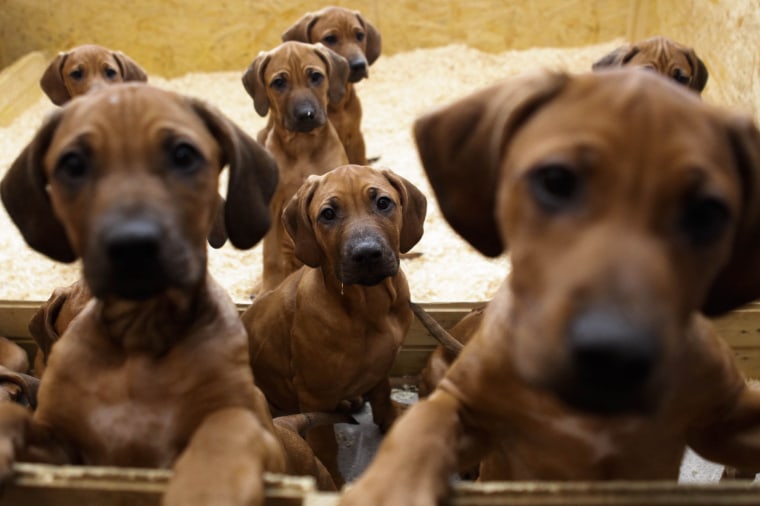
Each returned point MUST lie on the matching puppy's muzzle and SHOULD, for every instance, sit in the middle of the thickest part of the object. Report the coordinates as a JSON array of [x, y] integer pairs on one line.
[[306, 116], [366, 260], [357, 69], [132, 251], [612, 359]]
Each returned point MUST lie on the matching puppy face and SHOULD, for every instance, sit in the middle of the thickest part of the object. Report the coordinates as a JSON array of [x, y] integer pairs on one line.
[[296, 81], [127, 179], [87, 68], [620, 197], [661, 55], [354, 221], [344, 31]]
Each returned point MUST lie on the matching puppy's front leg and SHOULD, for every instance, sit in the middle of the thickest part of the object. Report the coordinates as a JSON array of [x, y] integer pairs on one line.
[[734, 437], [21, 438], [417, 457], [224, 462], [382, 410]]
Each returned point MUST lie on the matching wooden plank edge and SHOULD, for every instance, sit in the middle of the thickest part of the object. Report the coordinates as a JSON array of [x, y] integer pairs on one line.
[[93, 484], [20, 86]]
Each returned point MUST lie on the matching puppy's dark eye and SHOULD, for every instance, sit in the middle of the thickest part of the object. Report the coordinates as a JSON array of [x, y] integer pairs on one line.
[[330, 39], [384, 203], [327, 215], [185, 157], [76, 74], [72, 168], [555, 186], [110, 73], [279, 83], [681, 77], [316, 78], [704, 219], [359, 36]]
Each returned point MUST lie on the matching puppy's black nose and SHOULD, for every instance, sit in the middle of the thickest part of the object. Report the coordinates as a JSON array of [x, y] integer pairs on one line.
[[305, 111], [358, 69], [134, 262], [612, 358], [366, 251], [132, 244]]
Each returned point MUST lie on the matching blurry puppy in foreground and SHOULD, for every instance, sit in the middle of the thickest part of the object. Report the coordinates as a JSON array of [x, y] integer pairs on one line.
[[663, 55], [85, 68], [354, 38], [630, 208], [154, 369]]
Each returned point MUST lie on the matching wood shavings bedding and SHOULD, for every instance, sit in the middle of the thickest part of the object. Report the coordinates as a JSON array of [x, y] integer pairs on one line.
[[400, 88]]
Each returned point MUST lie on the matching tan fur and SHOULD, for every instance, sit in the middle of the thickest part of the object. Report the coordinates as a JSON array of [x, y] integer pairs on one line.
[[314, 149], [628, 206], [154, 370], [331, 331], [663, 55], [87, 68], [354, 38]]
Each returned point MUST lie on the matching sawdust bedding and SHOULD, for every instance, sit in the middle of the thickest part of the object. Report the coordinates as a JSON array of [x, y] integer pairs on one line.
[[400, 88]]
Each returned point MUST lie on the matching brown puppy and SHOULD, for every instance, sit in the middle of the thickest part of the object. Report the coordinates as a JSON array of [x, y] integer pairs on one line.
[[662, 55], [153, 372], [628, 206], [354, 38], [53, 317], [331, 331], [86, 68], [294, 83]]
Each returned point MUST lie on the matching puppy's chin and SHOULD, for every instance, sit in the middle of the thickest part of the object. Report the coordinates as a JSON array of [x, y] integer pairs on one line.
[[601, 400]]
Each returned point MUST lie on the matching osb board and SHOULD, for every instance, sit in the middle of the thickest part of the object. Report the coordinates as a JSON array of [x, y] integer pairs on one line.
[[44, 485], [175, 37]]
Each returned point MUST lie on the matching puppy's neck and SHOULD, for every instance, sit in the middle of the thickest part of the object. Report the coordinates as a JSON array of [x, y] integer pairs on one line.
[[302, 144], [153, 325], [346, 103], [360, 299]]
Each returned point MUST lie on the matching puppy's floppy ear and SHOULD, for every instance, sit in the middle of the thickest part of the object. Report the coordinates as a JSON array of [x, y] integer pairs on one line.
[[130, 70], [413, 206], [24, 195], [739, 281], [296, 219], [218, 235], [616, 58], [699, 73], [253, 82], [52, 83], [252, 179], [461, 147], [374, 40], [301, 30], [337, 68]]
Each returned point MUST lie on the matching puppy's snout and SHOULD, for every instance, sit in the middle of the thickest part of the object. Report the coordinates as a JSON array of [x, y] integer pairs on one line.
[[367, 259], [612, 358], [358, 69], [133, 243], [133, 255], [306, 116], [367, 251]]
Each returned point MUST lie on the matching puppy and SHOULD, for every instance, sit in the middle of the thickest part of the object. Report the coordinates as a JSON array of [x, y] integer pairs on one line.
[[154, 371], [86, 68], [331, 330], [629, 206], [354, 38], [294, 83], [662, 55]]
